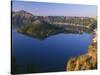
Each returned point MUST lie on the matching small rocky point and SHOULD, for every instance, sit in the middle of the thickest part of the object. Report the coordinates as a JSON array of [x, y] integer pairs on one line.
[[87, 61]]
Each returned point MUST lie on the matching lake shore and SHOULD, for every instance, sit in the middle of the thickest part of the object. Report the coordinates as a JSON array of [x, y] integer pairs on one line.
[[87, 61]]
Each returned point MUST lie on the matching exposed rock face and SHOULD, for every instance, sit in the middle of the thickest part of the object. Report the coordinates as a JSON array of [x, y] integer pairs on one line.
[[21, 18], [86, 61], [40, 30]]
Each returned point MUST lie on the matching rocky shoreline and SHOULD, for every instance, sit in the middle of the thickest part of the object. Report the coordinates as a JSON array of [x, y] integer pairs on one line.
[[87, 61]]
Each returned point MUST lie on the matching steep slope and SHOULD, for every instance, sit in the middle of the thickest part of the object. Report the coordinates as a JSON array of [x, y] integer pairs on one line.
[[40, 29], [87, 61], [21, 18]]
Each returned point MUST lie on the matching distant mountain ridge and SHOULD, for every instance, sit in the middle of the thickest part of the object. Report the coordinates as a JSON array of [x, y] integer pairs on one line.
[[21, 18], [44, 26]]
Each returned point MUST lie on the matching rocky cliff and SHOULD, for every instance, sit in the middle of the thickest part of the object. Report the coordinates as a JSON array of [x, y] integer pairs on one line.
[[87, 61]]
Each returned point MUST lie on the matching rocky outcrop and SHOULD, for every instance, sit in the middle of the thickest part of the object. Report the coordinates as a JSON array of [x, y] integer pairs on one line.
[[40, 30], [86, 61], [21, 18]]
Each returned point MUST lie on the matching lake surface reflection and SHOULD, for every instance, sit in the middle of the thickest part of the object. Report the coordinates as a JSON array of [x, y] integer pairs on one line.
[[48, 55]]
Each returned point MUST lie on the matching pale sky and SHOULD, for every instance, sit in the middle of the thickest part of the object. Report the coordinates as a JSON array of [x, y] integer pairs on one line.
[[55, 9]]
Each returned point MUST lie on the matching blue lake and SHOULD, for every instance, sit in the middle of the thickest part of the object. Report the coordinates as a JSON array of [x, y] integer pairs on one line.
[[50, 54]]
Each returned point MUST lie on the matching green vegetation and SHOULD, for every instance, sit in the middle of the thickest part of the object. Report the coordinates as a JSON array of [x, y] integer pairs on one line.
[[44, 26], [40, 29]]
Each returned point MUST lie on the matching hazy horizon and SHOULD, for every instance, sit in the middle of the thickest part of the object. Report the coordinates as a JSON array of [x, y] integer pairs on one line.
[[55, 9]]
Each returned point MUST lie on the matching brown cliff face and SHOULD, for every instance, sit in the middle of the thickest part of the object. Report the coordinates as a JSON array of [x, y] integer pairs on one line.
[[86, 61]]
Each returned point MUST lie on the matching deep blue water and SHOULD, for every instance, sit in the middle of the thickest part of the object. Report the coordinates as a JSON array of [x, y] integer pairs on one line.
[[50, 54]]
